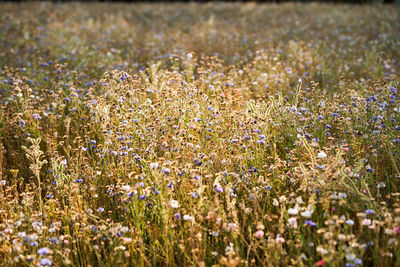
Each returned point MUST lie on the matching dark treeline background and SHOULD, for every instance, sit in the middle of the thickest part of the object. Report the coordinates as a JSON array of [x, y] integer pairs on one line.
[[258, 1], [270, 1]]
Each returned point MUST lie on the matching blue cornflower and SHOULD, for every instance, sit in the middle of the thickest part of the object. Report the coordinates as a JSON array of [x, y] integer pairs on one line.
[[45, 262], [369, 211], [219, 189], [54, 239], [198, 162], [310, 223], [166, 171], [43, 251]]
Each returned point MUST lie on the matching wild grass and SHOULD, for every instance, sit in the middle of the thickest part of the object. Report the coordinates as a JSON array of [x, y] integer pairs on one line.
[[188, 134]]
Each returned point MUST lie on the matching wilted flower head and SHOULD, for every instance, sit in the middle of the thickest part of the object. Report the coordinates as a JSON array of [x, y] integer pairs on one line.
[[174, 204], [306, 214], [293, 211], [292, 222], [187, 218], [154, 165]]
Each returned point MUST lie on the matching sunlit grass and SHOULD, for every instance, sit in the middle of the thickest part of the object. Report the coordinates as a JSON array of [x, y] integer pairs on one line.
[[231, 134]]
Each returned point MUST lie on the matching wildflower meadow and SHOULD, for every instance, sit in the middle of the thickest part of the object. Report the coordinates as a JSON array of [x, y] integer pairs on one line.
[[214, 134]]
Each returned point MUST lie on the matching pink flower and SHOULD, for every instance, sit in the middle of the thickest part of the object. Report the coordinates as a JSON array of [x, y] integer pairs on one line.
[[396, 229], [280, 239], [259, 234], [366, 222]]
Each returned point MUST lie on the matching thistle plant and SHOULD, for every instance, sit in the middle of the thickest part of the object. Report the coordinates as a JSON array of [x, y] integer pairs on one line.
[[34, 155]]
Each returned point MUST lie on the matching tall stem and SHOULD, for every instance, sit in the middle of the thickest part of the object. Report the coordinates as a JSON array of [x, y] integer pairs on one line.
[[39, 187]]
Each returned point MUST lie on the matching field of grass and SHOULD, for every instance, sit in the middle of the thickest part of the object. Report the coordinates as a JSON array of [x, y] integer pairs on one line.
[[199, 135]]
